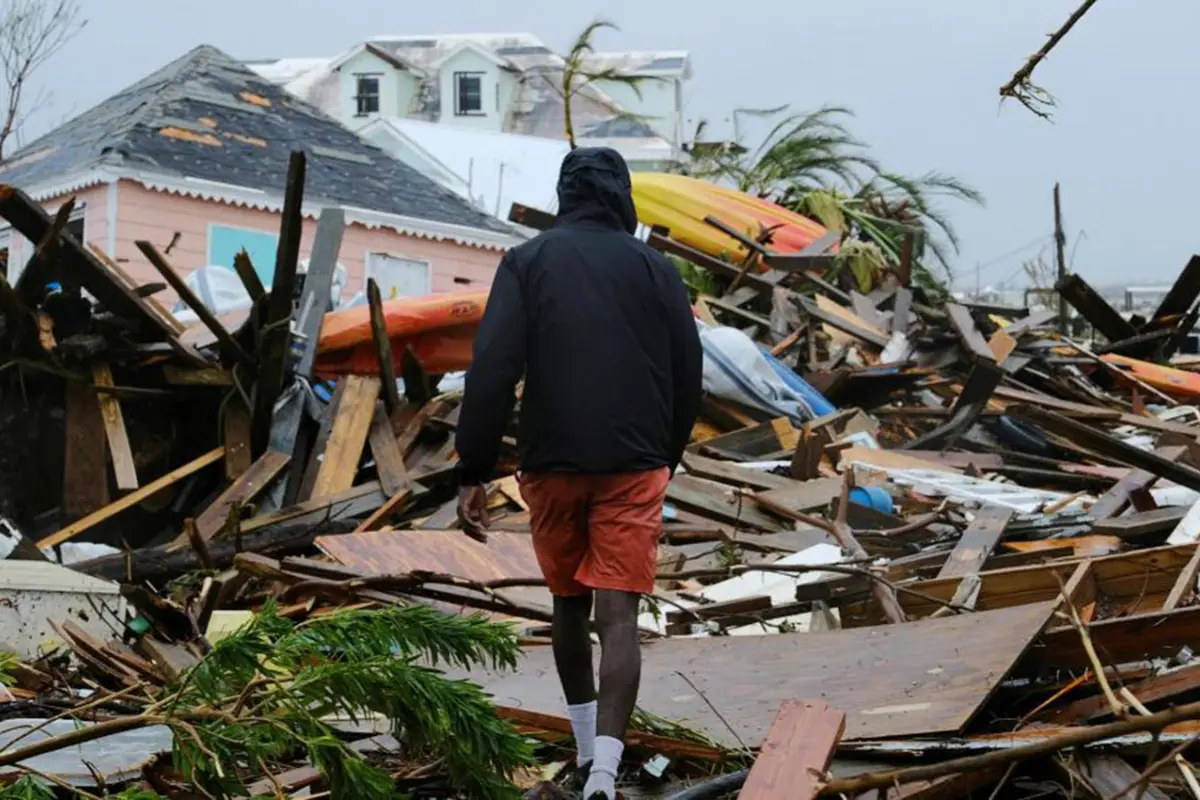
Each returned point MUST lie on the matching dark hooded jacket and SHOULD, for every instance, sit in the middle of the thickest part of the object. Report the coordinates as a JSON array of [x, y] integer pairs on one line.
[[600, 326]]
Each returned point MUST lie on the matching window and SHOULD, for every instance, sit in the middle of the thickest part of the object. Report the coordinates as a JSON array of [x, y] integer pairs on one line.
[[225, 242], [75, 227], [468, 93], [366, 101], [398, 276]]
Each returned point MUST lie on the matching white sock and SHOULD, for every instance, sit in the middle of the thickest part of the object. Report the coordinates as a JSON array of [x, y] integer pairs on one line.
[[583, 725], [603, 778]]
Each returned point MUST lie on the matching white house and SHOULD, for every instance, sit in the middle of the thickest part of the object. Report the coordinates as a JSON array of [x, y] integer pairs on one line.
[[499, 83]]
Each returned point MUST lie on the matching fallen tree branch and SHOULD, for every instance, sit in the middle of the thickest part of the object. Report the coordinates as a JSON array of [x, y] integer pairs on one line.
[[1021, 88]]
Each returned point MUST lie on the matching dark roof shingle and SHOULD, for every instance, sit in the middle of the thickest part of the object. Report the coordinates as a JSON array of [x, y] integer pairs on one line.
[[208, 116]]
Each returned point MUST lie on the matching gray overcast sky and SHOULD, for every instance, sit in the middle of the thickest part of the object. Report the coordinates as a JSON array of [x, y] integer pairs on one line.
[[921, 75]]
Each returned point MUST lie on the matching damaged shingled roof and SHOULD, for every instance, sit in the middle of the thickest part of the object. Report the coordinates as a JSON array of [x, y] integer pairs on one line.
[[208, 116]]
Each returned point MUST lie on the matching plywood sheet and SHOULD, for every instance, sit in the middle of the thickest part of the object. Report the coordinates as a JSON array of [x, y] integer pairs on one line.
[[926, 677], [506, 555]]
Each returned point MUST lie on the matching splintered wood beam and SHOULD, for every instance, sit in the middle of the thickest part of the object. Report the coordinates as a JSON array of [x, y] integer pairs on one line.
[[114, 429], [389, 461], [276, 332], [383, 347], [531, 217], [981, 384], [796, 753], [1183, 293], [132, 499], [348, 435], [245, 270], [225, 339], [1094, 308], [417, 385]]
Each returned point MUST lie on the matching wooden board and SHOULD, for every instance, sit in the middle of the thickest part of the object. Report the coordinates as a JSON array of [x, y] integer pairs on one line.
[[804, 496], [85, 469], [1107, 774], [238, 456], [243, 490], [977, 542], [718, 502], [796, 753], [921, 678], [506, 555], [734, 475], [389, 461], [351, 423], [114, 429], [132, 499]]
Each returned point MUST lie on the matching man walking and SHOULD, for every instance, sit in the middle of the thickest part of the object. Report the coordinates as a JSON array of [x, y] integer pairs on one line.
[[599, 325]]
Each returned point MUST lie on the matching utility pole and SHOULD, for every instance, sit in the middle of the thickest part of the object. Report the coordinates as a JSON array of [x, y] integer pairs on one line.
[[1060, 249], [978, 285]]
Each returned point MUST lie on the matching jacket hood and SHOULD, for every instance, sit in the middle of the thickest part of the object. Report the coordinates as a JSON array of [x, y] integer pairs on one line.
[[594, 185]]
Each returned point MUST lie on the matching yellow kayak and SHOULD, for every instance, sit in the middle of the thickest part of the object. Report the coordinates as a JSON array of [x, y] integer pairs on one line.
[[681, 203], [1176, 382]]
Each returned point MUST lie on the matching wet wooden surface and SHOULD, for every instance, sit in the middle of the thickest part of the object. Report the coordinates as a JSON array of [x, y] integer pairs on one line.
[[796, 753], [506, 555], [924, 677]]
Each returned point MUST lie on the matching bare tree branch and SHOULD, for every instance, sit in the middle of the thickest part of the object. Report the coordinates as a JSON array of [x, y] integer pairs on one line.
[[31, 32], [1021, 87]]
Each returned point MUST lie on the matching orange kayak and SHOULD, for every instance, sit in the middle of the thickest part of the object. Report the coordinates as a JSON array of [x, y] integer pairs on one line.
[[1177, 382], [439, 328]]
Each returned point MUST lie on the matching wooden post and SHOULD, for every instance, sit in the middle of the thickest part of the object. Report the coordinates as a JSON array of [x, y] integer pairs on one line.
[[1060, 247]]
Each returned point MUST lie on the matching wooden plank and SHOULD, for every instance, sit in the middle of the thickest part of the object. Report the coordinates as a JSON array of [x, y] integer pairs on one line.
[[389, 461], [901, 311], [242, 491], [1183, 292], [348, 436], [845, 322], [734, 475], [1166, 687], [1094, 308], [132, 499], [1140, 578], [1160, 521], [244, 267], [977, 542], [1100, 442], [1107, 774], [85, 466], [796, 753], [968, 333], [276, 331], [1115, 500], [236, 426], [911, 690], [717, 502], [804, 496], [225, 340], [505, 555], [1184, 589], [114, 430], [383, 347]]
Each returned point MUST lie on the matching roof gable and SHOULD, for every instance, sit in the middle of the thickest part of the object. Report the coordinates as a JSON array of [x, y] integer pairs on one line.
[[206, 116]]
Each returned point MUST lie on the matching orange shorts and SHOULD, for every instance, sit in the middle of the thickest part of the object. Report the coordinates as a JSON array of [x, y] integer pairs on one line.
[[596, 531]]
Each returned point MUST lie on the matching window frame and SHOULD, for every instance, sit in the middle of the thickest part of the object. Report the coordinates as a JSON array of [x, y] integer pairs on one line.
[[459, 110], [360, 97]]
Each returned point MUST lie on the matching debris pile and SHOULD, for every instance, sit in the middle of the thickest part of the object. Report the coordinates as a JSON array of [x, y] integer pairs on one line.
[[916, 546]]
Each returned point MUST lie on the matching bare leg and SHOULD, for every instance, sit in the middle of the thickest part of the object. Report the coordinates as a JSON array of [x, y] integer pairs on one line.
[[572, 644], [620, 660]]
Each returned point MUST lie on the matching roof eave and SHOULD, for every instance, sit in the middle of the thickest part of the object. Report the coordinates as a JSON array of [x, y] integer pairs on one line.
[[263, 200]]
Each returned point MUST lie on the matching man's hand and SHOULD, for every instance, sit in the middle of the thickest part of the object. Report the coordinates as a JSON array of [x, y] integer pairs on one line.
[[473, 512]]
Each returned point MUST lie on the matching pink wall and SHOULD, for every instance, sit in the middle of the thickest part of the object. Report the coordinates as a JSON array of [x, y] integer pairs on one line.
[[157, 216]]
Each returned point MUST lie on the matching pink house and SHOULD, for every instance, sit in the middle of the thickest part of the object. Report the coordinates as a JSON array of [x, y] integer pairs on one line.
[[194, 158]]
